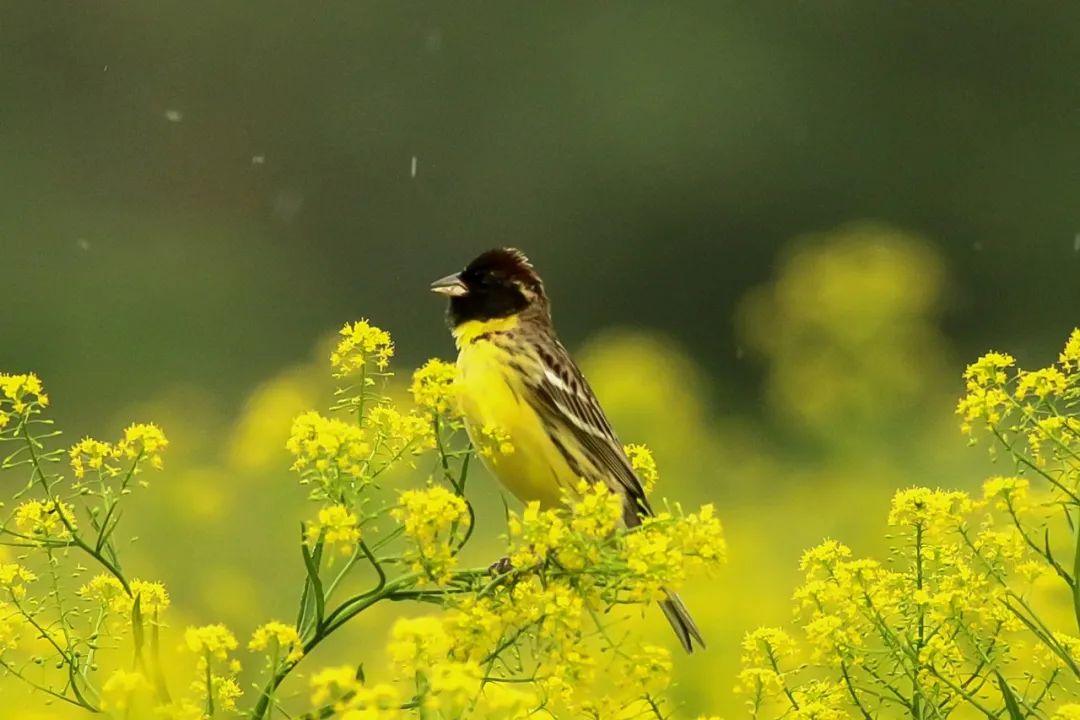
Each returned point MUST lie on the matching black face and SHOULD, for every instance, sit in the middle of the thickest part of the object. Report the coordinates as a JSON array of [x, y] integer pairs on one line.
[[496, 284]]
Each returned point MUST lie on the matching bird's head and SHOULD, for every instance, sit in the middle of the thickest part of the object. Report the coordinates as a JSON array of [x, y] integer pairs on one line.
[[497, 284]]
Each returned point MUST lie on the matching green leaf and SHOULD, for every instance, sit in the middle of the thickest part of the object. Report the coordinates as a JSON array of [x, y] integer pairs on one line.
[[311, 563], [1010, 699]]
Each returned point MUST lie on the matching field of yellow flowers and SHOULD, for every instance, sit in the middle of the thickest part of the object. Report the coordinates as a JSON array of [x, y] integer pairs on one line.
[[328, 552]]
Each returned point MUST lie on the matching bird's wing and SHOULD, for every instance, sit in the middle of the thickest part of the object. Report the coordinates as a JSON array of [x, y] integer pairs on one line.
[[564, 397]]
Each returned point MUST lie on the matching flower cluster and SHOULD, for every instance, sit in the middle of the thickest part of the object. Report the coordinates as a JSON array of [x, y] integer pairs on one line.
[[941, 620], [493, 442], [20, 395], [432, 518], [45, 520], [362, 346], [545, 634], [398, 434], [140, 443], [216, 670], [279, 639], [338, 527], [641, 459], [434, 387]]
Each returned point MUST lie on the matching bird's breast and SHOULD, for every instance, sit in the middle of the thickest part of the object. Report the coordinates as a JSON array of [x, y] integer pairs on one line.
[[495, 401]]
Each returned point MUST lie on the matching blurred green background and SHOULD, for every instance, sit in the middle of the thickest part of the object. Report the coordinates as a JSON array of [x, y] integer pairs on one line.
[[774, 233]]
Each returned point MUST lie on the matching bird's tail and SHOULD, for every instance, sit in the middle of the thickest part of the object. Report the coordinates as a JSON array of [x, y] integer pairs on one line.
[[681, 622]]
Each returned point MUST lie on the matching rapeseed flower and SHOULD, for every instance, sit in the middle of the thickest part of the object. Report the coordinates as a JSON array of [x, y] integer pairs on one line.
[[434, 387], [278, 638], [93, 454], [1070, 355], [143, 441], [641, 459], [21, 393], [1040, 383], [361, 344], [120, 690], [215, 641], [339, 528], [45, 520], [14, 578], [430, 518]]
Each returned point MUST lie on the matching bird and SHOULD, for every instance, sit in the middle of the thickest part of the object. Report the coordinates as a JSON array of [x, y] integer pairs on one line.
[[515, 375]]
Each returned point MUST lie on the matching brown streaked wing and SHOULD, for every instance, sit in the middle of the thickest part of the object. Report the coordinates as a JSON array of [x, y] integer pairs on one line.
[[563, 396]]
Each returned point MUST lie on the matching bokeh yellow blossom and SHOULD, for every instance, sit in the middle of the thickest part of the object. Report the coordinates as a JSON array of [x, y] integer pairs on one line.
[[45, 520], [14, 579], [216, 640], [143, 440], [121, 689], [641, 459], [278, 638]]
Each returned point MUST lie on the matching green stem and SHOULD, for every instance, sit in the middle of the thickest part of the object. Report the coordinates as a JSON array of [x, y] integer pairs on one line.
[[1075, 587]]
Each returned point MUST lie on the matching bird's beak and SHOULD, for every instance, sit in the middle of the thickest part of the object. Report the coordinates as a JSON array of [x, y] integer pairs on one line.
[[450, 286]]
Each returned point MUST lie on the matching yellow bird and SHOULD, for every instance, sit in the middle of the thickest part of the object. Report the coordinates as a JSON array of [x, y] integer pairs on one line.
[[517, 377]]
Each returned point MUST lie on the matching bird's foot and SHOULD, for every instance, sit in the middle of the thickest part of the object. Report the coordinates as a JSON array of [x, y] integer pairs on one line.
[[500, 566]]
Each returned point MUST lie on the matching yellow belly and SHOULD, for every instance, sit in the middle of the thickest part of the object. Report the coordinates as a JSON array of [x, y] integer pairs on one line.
[[535, 470]]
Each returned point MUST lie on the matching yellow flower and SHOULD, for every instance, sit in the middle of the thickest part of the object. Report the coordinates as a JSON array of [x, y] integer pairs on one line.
[[329, 447], [282, 639], [453, 687], [14, 578], [226, 692], [12, 623], [351, 700], [143, 440], [153, 598], [430, 518], [1041, 383], [338, 526], [596, 513], [214, 640], [820, 700], [767, 645], [108, 592], [1070, 356], [333, 682], [1008, 492], [397, 433], [118, 691], [361, 343], [21, 393], [493, 441], [434, 386], [418, 643], [535, 534], [1071, 711], [641, 459], [936, 509], [48, 519], [95, 455], [647, 669], [989, 370], [982, 405], [825, 555]]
